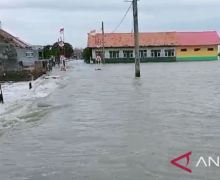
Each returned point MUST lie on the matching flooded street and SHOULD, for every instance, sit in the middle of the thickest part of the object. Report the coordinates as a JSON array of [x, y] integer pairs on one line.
[[107, 125]]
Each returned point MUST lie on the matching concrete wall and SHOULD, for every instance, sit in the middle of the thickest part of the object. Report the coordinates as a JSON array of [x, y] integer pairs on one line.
[[121, 55], [201, 54], [189, 55], [27, 56], [10, 57]]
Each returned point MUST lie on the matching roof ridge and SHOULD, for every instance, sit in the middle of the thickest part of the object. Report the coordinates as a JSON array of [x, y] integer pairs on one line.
[[195, 31], [160, 32]]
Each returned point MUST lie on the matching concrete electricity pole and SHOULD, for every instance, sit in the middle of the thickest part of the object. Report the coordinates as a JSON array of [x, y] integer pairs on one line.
[[136, 39], [103, 43]]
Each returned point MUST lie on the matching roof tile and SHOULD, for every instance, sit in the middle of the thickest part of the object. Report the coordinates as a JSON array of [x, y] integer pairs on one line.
[[155, 39]]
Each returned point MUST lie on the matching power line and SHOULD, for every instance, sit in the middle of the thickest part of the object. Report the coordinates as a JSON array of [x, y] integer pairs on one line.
[[123, 18]]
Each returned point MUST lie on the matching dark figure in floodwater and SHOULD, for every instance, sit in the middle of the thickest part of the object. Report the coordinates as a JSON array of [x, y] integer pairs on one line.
[[30, 85], [1, 95], [64, 63]]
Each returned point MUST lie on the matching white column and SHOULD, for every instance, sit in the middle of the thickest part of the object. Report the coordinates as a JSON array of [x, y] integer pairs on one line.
[[93, 54], [107, 55], [162, 53], [121, 55]]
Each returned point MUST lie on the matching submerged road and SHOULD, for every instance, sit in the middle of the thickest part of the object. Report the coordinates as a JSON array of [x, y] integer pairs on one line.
[[107, 125]]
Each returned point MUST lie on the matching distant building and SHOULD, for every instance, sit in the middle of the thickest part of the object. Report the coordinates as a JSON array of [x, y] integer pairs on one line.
[[37, 47], [77, 53], [40, 50], [14, 53], [156, 47]]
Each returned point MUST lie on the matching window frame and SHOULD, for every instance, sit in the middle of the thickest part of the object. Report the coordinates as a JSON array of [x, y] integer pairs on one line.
[[29, 54], [169, 52], [128, 54], [184, 50], [143, 53], [156, 53], [197, 49], [210, 49], [114, 54]]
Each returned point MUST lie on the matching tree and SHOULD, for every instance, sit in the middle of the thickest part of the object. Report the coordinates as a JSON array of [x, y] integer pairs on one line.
[[55, 50], [68, 50], [87, 54], [47, 51]]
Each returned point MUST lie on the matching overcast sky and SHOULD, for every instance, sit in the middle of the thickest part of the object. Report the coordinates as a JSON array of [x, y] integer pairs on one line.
[[38, 21]]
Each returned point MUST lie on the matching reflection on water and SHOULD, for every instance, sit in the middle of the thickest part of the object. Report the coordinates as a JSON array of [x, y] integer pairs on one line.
[[108, 125]]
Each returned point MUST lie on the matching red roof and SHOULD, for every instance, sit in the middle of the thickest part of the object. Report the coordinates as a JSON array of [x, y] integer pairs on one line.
[[12, 39], [155, 39], [197, 38]]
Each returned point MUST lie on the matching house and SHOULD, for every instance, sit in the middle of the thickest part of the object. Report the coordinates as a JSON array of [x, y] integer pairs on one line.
[[15, 53], [155, 47]]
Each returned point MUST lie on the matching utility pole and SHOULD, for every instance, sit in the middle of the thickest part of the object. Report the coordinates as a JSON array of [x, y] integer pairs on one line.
[[136, 39], [103, 43]]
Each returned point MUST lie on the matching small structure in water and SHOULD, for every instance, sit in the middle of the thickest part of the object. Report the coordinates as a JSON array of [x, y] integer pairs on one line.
[[98, 62], [30, 85], [62, 63], [62, 50]]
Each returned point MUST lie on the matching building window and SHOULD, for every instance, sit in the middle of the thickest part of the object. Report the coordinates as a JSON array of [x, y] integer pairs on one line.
[[155, 53], [169, 52], [114, 54], [29, 54], [98, 53], [128, 54], [197, 49], [184, 50], [143, 53], [210, 49]]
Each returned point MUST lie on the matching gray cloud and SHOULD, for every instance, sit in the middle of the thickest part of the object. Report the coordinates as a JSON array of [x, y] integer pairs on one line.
[[38, 21], [66, 5]]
